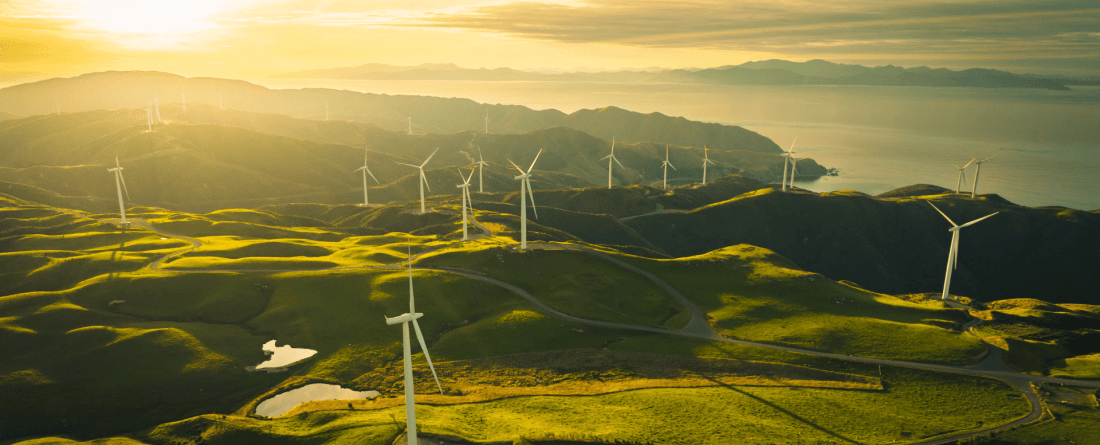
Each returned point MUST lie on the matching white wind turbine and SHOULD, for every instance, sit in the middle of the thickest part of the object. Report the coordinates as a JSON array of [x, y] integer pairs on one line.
[[423, 179], [120, 185], [794, 172], [525, 183], [978, 169], [786, 159], [404, 319], [610, 157], [480, 166], [706, 160], [465, 186], [962, 175], [149, 117], [156, 104], [486, 121], [666, 165], [365, 173], [953, 251]]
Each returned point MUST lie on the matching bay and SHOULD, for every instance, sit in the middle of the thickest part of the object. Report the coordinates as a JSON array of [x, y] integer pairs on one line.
[[1047, 143]]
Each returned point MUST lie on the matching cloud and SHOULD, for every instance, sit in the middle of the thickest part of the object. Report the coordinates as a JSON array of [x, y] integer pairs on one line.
[[976, 27]]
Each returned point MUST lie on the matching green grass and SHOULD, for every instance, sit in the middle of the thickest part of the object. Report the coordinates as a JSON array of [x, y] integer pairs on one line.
[[1080, 367], [1077, 426], [572, 282], [753, 294], [237, 253]]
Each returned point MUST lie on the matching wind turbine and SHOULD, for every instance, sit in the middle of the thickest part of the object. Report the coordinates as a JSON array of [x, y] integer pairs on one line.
[[794, 171], [666, 165], [786, 159], [953, 252], [423, 179], [962, 175], [465, 186], [706, 160], [525, 182], [610, 157], [156, 103], [486, 121], [365, 173], [403, 320], [149, 117], [480, 166], [978, 169], [120, 185]]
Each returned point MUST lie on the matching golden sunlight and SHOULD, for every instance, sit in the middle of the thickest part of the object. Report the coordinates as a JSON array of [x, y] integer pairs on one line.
[[155, 23]]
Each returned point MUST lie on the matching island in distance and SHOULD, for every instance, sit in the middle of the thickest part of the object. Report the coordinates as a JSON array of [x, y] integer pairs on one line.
[[649, 306]]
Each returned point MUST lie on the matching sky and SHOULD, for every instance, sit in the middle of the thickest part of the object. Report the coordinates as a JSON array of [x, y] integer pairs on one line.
[[250, 39]]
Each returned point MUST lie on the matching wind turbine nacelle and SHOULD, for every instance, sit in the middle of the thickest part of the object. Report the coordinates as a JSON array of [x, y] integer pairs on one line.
[[114, 169], [404, 318], [522, 177], [360, 169]]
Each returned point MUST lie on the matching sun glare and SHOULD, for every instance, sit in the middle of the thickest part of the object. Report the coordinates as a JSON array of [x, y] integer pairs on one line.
[[145, 23]]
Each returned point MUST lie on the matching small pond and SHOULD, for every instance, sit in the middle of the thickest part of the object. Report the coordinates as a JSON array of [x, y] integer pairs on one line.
[[281, 357], [283, 402]]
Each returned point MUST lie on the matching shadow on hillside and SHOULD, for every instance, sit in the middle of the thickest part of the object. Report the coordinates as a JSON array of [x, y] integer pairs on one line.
[[777, 408]]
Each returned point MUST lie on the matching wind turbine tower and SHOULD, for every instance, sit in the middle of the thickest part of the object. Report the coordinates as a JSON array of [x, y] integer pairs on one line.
[[525, 182], [120, 185], [486, 121], [423, 179], [156, 103], [404, 320], [794, 171], [366, 172], [977, 170], [953, 251], [706, 160], [480, 166], [786, 160], [465, 186], [666, 165], [962, 175], [610, 157]]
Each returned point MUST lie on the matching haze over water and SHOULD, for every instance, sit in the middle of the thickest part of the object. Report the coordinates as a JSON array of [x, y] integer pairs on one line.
[[880, 138]]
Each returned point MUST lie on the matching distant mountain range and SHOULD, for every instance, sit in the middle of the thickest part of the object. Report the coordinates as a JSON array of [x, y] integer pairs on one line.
[[424, 114], [767, 72]]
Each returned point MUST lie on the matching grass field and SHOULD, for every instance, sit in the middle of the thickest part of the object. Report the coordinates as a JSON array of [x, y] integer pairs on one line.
[[572, 282], [753, 294], [238, 253]]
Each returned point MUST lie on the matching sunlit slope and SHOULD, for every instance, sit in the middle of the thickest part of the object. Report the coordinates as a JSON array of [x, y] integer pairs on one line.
[[899, 245], [429, 114], [1061, 340]]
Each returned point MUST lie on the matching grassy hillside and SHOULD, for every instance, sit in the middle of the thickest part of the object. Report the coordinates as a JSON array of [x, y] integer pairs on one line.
[[899, 245], [1043, 338]]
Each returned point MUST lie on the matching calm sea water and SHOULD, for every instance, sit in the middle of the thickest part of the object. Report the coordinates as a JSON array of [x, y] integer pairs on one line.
[[1047, 143]]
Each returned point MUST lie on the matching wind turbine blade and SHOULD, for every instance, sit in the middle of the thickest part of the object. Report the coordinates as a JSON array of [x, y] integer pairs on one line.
[[429, 158], [617, 162], [479, 157], [941, 213], [955, 249], [372, 175], [424, 347], [968, 163], [533, 162], [467, 181], [976, 220], [986, 159], [517, 167], [670, 165], [605, 157], [124, 189], [412, 304], [527, 182], [791, 150], [425, 179], [116, 161], [410, 165]]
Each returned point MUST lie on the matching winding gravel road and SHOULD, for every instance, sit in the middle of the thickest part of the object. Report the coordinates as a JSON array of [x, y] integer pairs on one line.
[[991, 366]]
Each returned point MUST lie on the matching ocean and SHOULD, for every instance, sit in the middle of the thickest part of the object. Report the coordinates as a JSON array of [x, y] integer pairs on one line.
[[1046, 143]]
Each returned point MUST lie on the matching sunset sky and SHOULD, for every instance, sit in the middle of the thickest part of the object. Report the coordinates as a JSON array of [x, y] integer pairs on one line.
[[256, 38]]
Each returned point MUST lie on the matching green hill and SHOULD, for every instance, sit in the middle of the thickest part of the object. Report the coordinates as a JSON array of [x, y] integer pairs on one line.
[[899, 245]]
